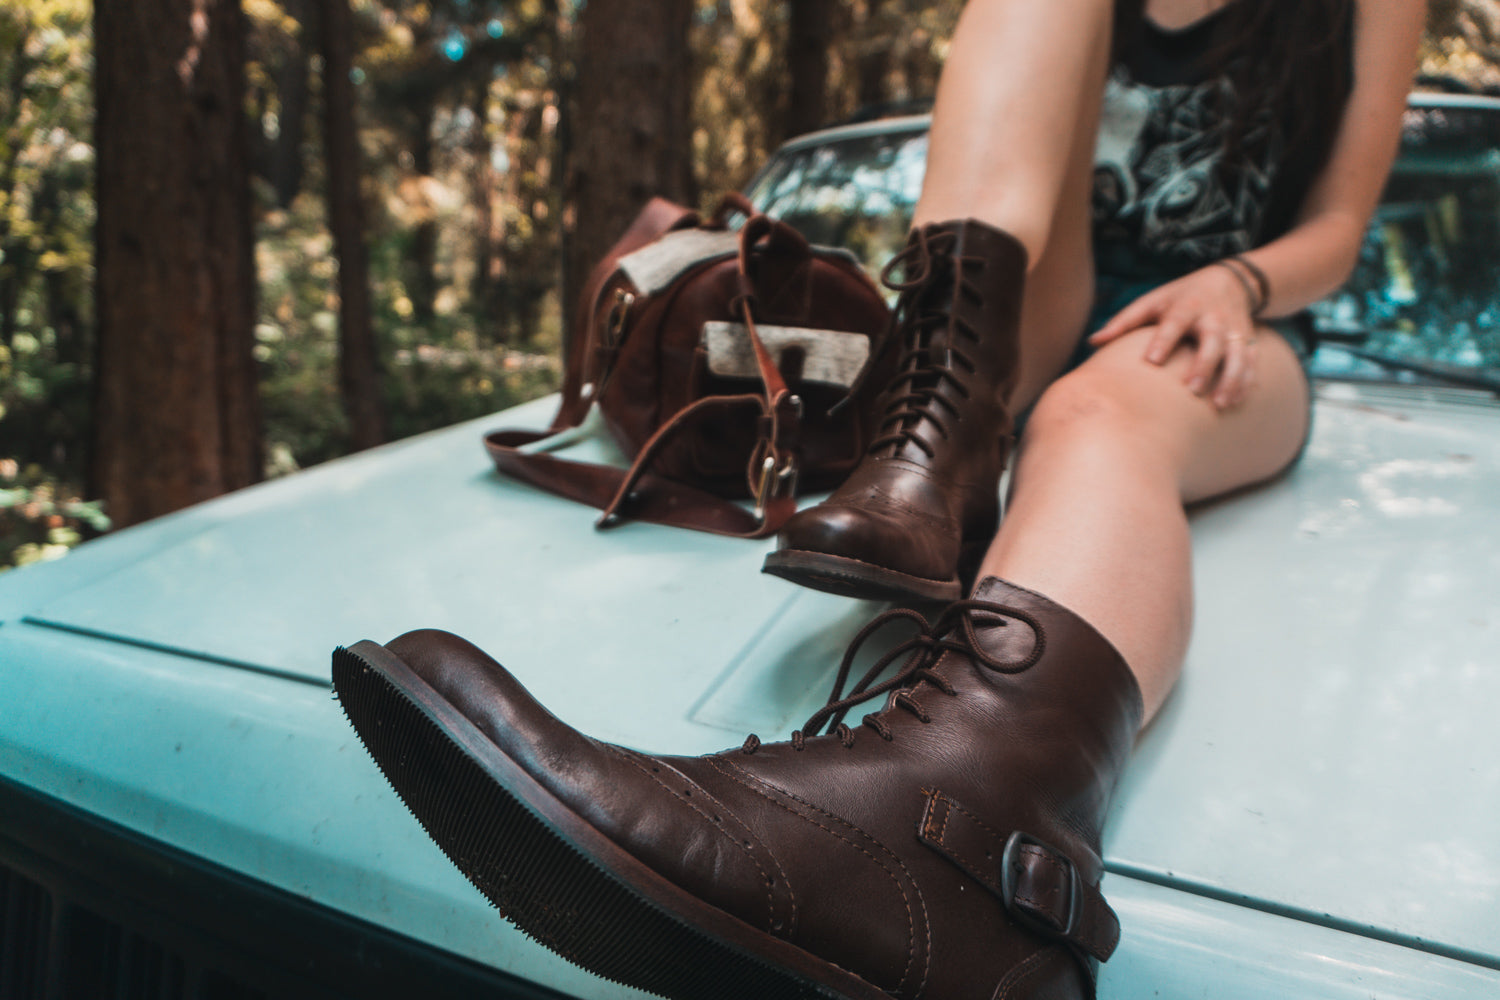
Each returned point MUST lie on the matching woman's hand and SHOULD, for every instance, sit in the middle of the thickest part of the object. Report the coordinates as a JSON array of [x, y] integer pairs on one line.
[[1211, 308]]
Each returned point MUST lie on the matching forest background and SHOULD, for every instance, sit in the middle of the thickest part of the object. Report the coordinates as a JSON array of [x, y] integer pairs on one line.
[[241, 237]]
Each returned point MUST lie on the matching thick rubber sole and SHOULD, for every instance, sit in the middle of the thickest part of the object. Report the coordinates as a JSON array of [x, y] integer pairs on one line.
[[550, 872], [856, 578]]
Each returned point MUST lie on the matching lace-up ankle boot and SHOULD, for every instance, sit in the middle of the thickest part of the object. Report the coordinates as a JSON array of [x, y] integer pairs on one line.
[[913, 519], [946, 848]]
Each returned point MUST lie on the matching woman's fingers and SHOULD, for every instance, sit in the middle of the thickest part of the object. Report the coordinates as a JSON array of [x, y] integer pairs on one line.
[[1205, 307], [1139, 313], [1164, 338], [1212, 345], [1222, 366], [1238, 372]]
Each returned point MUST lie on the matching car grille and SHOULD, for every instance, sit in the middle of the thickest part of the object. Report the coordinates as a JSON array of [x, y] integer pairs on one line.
[[95, 957], [92, 911]]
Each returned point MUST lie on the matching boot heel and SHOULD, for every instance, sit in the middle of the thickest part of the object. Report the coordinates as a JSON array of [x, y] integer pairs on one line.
[[847, 577]]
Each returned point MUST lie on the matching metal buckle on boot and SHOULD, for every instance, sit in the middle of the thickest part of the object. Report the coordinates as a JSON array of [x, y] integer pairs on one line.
[[1009, 862]]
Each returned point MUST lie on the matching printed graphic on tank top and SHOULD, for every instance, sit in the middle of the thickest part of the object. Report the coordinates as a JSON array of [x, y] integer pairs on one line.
[[1165, 201]]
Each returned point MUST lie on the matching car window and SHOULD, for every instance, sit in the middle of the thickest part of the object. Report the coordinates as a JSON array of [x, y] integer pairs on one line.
[[857, 192], [1427, 286], [1425, 292]]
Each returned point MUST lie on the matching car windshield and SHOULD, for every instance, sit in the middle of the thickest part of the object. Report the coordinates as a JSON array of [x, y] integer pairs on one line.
[[1422, 305], [1426, 291], [855, 191]]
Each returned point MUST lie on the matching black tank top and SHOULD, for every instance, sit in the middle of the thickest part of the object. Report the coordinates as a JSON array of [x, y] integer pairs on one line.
[[1165, 202]]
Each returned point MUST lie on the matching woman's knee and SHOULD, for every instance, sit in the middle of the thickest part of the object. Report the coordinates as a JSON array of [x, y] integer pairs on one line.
[[1083, 403], [1097, 419], [1118, 407]]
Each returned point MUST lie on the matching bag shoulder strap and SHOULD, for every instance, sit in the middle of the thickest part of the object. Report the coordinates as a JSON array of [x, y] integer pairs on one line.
[[637, 493]]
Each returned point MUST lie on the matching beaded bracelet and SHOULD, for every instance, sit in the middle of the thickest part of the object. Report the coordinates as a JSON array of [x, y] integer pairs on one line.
[[1244, 272], [1261, 281], [1252, 297]]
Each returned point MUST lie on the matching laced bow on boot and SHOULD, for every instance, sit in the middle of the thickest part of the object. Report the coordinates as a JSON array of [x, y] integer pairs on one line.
[[954, 631]]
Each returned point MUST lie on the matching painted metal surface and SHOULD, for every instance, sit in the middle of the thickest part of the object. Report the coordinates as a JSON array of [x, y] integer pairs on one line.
[[426, 535], [260, 774], [1314, 814], [1332, 748]]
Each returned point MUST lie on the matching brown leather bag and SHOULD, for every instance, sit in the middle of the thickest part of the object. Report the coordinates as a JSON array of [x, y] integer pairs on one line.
[[722, 363]]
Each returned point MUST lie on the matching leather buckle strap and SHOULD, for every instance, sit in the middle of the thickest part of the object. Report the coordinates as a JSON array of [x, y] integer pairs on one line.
[[1038, 910], [776, 477], [1039, 885]]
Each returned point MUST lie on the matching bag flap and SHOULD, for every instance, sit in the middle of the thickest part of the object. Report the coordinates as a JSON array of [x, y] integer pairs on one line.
[[656, 265], [833, 357]]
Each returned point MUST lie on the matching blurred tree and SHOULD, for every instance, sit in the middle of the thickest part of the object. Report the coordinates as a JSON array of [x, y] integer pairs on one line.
[[280, 92], [811, 36], [435, 75], [872, 57], [760, 63], [44, 165], [359, 360], [46, 232], [737, 103], [631, 128], [176, 418], [1462, 46]]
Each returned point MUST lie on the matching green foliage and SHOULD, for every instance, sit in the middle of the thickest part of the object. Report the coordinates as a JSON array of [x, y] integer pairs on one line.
[[463, 122], [41, 517], [458, 117], [46, 224], [888, 52]]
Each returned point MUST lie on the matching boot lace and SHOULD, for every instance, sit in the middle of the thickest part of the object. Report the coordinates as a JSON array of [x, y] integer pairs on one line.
[[933, 283], [954, 631]]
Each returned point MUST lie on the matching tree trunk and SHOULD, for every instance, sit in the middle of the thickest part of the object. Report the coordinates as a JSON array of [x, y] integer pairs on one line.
[[489, 225], [631, 134], [284, 167], [176, 416], [809, 39], [359, 363], [421, 265], [873, 62]]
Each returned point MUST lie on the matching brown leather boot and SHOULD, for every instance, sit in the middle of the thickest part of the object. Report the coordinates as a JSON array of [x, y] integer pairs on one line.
[[946, 849], [914, 518]]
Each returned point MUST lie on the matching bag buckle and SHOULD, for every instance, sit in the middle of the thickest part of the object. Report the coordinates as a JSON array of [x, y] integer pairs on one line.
[[614, 320], [1026, 916], [775, 481]]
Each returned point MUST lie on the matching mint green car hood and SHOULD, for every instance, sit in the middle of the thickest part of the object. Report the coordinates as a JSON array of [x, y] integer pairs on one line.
[[1330, 762]]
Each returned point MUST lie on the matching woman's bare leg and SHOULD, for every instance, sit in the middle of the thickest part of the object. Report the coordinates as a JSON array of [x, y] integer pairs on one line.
[[1113, 450], [1012, 144], [1019, 91], [1111, 453]]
